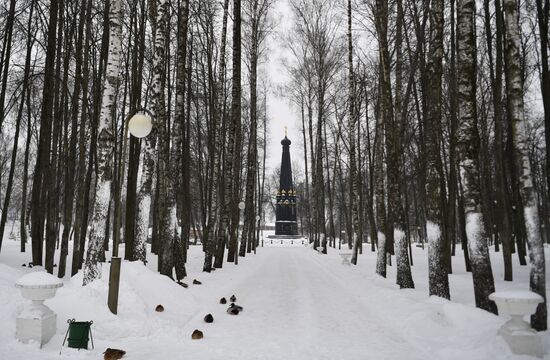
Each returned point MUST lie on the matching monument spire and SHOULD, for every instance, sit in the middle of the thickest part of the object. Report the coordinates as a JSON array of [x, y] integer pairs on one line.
[[285, 223]]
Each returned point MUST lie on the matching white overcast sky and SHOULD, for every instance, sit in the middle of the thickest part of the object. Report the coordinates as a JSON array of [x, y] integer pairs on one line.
[[280, 113]]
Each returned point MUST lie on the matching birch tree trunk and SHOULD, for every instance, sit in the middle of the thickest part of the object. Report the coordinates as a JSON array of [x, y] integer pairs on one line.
[[223, 164], [385, 111], [92, 268], [179, 167], [145, 192], [166, 195], [234, 149], [249, 210], [354, 195], [468, 151], [435, 189], [404, 276], [514, 87]]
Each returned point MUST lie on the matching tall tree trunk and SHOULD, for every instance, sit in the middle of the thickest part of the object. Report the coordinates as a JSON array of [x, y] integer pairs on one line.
[[222, 160], [514, 87], [71, 157], [234, 148], [353, 176], [179, 167], [543, 14], [167, 217], [39, 187], [147, 180], [503, 199], [468, 145], [385, 113], [5, 60], [24, 89], [435, 189], [24, 205], [249, 210], [105, 145], [395, 175]]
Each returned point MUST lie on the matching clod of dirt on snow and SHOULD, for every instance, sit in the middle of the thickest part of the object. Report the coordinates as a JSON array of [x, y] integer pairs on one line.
[[234, 309], [209, 318], [233, 298], [238, 307], [159, 308], [197, 335], [196, 282], [223, 301], [113, 354]]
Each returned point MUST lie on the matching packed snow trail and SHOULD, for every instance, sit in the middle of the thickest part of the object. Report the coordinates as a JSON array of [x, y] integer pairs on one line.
[[298, 304], [293, 309]]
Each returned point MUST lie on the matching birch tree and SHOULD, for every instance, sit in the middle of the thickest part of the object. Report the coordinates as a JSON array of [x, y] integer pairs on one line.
[[468, 159], [92, 268], [354, 191], [384, 120], [435, 186], [529, 196]]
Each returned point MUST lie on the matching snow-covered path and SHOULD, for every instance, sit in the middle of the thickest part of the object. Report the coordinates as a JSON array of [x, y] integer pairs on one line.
[[295, 309], [297, 303]]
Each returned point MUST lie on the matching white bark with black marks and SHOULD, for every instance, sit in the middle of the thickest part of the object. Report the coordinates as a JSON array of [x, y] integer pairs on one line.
[[516, 113], [105, 147], [468, 156]]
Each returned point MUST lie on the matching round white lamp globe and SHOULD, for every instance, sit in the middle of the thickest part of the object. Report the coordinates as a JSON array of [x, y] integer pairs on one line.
[[140, 125], [241, 205]]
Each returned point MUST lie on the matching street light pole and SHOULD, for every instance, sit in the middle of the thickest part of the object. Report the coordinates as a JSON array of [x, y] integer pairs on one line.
[[139, 123], [141, 127]]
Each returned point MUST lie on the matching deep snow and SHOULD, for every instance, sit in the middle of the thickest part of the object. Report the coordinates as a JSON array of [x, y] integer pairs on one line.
[[298, 304]]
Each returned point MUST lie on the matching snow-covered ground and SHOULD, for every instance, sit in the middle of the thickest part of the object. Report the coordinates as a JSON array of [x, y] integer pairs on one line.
[[298, 304]]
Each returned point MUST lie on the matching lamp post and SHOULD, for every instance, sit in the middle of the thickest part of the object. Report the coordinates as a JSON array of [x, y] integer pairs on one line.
[[139, 123]]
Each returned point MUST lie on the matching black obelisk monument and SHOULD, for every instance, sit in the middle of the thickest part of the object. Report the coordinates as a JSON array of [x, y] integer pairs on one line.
[[285, 223]]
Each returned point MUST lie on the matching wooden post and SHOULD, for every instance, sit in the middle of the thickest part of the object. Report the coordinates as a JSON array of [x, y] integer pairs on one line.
[[114, 282]]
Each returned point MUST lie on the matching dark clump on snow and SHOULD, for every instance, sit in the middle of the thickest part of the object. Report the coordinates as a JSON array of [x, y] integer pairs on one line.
[[196, 282], [233, 298], [223, 301], [234, 309], [113, 354], [240, 308], [159, 308], [209, 318], [24, 265], [197, 334], [182, 284]]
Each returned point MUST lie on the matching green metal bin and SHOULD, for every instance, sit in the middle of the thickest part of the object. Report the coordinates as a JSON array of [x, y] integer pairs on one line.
[[79, 334]]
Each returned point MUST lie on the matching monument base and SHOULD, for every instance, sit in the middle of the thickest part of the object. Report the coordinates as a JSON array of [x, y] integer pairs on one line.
[[288, 228]]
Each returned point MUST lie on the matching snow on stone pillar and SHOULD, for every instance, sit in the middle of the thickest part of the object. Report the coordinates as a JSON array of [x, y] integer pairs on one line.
[[522, 339], [36, 321]]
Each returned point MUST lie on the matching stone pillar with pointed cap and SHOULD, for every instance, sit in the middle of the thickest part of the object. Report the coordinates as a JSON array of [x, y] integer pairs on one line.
[[286, 223]]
